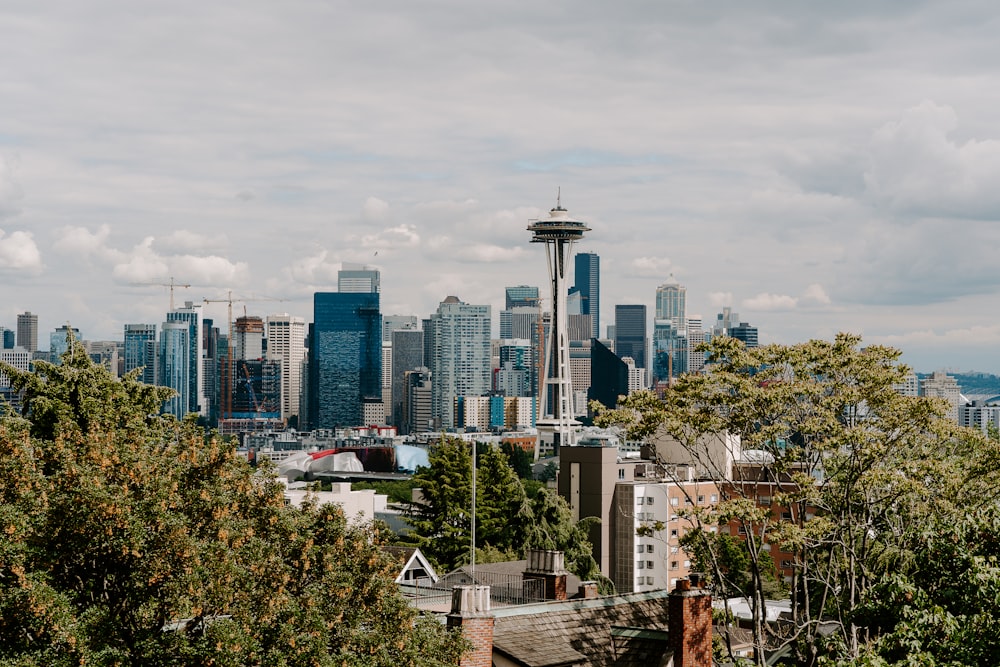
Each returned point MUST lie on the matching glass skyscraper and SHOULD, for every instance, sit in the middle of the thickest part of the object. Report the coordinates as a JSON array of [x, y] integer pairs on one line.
[[459, 355], [346, 357], [140, 350], [630, 333], [587, 277]]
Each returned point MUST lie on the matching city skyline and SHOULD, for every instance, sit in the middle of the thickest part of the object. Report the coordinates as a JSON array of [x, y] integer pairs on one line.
[[816, 168]]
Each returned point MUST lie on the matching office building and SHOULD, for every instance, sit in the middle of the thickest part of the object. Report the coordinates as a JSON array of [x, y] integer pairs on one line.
[[140, 350], [27, 331], [525, 296], [345, 364], [8, 339], [175, 366], [391, 323], [286, 343], [630, 333], [418, 414], [608, 375], [587, 284], [459, 355], [358, 278], [59, 342], [671, 302], [407, 355], [745, 333], [191, 315], [516, 370], [248, 338], [941, 385]]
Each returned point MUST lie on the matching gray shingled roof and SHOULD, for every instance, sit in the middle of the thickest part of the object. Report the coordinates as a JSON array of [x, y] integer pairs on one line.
[[579, 632]]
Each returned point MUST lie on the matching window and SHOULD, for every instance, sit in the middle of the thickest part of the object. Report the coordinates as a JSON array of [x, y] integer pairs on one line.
[[639, 548], [649, 565], [649, 548], [639, 564], [621, 473], [743, 530], [786, 564], [674, 550], [649, 581], [764, 500], [673, 533], [673, 565], [649, 500], [687, 500], [674, 517], [786, 516], [673, 502], [701, 500], [714, 498], [687, 563]]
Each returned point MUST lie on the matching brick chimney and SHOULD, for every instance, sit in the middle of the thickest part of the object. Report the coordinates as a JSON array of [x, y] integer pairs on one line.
[[690, 616], [470, 611], [588, 590], [549, 566]]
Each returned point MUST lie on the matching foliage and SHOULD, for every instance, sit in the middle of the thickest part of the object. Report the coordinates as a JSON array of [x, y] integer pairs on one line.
[[861, 470], [519, 459], [129, 540], [397, 491], [508, 521]]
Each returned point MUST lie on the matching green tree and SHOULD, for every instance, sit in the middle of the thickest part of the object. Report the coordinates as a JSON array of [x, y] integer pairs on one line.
[[862, 470], [130, 540], [508, 522]]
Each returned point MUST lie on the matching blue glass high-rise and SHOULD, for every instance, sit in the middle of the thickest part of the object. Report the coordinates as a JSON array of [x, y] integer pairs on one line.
[[587, 283], [346, 357]]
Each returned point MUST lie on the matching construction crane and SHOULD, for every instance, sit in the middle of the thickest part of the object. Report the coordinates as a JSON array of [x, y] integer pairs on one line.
[[227, 380], [172, 284]]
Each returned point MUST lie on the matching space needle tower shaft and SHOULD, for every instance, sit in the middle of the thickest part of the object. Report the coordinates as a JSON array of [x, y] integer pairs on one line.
[[557, 232]]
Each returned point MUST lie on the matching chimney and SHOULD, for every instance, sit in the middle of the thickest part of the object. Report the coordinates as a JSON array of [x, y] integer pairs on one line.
[[588, 590], [470, 611], [549, 566], [690, 616]]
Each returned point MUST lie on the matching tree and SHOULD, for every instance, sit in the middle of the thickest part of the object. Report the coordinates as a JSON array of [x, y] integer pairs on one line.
[[130, 540], [861, 470], [507, 521]]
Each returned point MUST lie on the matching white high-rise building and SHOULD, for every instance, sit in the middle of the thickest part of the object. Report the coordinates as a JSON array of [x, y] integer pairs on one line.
[[358, 278], [459, 355], [942, 385], [286, 341]]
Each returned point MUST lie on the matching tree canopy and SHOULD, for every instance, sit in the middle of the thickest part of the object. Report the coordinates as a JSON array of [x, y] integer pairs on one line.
[[866, 479], [131, 539]]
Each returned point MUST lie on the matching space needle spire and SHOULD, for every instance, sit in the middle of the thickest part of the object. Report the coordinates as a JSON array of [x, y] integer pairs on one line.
[[558, 232]]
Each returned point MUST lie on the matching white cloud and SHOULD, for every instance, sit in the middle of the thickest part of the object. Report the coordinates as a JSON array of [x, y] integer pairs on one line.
[[482, 252], [18, 252], [816, 294], [314, 269], [81, 242], [400, 236], [375, 210], [185, 241], [766, 301], [976, 335], [720, 299], [143, 265], [651, 267], [916, 168]]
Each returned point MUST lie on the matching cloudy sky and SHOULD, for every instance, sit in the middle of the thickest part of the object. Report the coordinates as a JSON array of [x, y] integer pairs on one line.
[[818, 166]]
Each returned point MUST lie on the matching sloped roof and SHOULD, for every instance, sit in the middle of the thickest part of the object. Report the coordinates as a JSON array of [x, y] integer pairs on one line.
[[598, 632]]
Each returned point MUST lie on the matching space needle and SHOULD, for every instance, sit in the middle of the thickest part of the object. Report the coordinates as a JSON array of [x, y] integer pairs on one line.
[[557, 427]]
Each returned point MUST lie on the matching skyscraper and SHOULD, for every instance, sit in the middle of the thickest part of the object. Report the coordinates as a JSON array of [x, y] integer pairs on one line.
[[630, 333], [587, 277], [191, 315], [175, 365], [521, 295], [286, 343], [59, 342], [248, 337], [459, 356], [358, 278], [407, 355], [671, 302], [345, 363], [140, 350], [27, 331]]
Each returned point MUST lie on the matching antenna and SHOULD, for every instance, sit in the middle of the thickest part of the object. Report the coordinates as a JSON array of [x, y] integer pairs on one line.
[[559, 197]]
